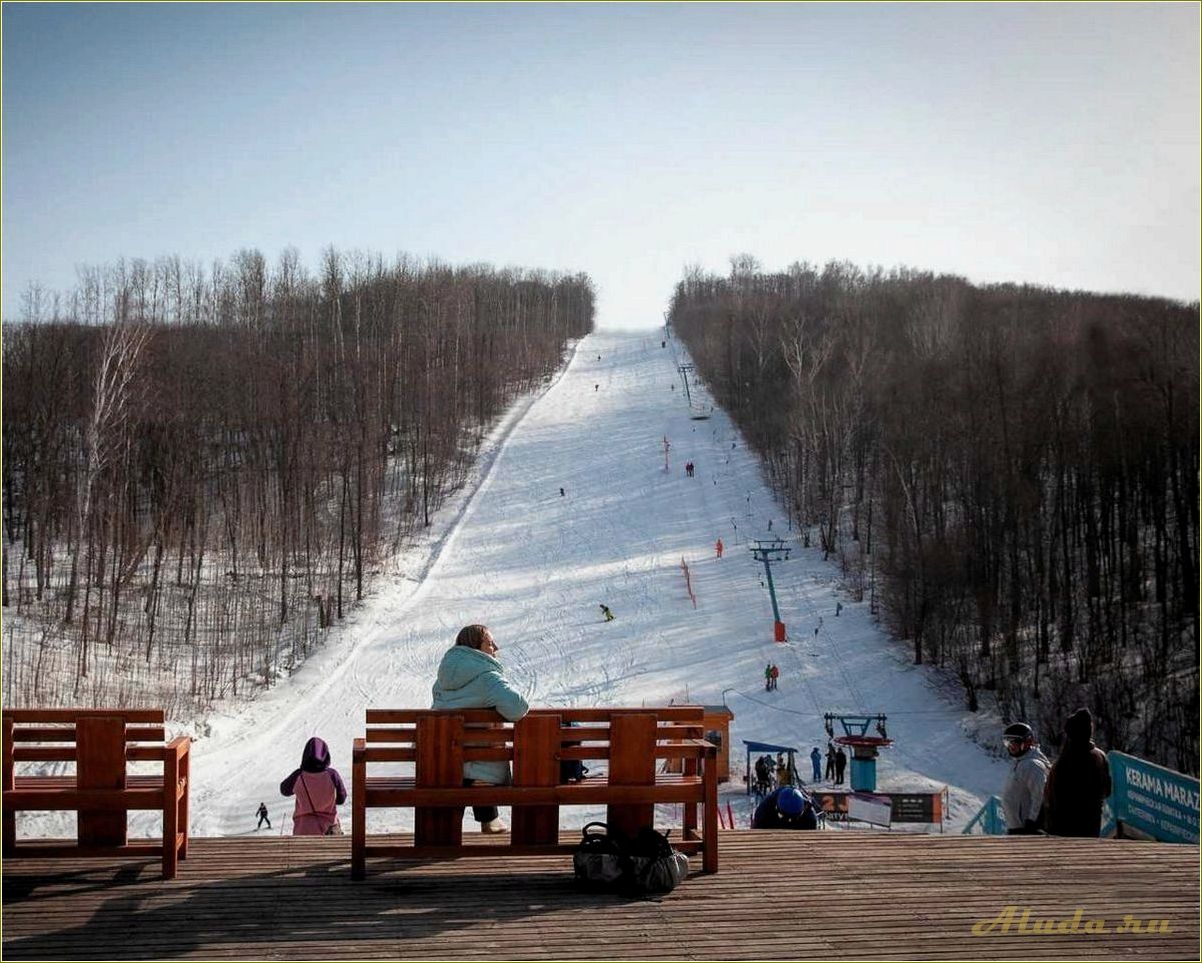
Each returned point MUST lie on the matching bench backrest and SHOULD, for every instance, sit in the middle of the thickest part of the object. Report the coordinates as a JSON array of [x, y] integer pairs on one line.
[[439, 741], [98, 741]]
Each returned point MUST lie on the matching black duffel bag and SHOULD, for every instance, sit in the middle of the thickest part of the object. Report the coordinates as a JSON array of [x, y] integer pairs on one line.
[[645, 865]]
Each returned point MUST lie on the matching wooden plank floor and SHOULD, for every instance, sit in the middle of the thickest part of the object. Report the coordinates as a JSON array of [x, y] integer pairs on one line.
[[779, 895]]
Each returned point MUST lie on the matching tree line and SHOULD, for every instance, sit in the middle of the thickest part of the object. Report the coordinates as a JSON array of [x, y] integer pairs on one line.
[[1009, 473], [204, 467]]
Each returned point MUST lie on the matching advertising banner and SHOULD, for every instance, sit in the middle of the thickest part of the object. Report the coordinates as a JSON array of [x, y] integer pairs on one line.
[[915, 807], [869, 808], [904, 807], [1152, 800]]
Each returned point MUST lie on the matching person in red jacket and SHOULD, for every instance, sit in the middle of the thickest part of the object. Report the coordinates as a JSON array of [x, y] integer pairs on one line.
[[718, 547]]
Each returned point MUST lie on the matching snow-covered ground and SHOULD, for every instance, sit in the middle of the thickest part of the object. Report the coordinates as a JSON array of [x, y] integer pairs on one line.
[[511, 552]]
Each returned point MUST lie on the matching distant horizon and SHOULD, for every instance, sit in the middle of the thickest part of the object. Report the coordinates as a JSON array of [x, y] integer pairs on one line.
[[1054, 145]]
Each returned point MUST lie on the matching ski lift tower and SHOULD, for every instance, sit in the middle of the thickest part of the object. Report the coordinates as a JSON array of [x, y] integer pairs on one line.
[[769, 550], [697, 411], [864, 748], [686, 368]]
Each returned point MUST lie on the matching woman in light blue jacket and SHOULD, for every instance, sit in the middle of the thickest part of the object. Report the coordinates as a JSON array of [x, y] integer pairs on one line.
[[470, 677]]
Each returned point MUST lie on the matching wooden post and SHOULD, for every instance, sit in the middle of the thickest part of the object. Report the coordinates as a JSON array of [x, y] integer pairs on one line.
[[631, 763], [10, 819], [170, 811], [359, 809], [689, 818], [439, 744], [536, 746], [185, 789], [100, 743], [710, 812]]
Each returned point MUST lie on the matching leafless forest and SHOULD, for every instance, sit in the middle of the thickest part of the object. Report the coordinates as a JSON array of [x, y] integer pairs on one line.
[[203, 468], [1009, 474]]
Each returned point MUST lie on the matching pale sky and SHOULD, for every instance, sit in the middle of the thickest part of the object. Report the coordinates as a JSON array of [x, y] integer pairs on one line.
[[1051, 144]]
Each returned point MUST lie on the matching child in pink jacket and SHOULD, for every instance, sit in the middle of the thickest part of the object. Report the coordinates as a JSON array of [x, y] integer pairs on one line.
[[319, 792]]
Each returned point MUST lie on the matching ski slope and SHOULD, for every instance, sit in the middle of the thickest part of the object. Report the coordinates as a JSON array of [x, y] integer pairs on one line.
[[511, 552]]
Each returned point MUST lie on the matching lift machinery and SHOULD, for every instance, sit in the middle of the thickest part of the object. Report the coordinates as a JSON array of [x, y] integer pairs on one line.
[[864, 748]]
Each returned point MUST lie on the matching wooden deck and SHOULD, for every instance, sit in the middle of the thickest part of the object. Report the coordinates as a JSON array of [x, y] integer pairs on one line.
[[779, 895]]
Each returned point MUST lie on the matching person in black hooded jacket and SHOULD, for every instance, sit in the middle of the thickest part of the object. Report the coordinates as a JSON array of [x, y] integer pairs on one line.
[[1077, 783]]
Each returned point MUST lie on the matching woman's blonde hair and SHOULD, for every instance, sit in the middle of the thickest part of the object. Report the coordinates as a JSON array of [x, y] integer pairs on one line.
[[472, 636]]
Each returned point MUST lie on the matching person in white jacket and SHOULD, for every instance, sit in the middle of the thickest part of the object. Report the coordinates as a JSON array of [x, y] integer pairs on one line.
[[471, 677], [1022, 795]]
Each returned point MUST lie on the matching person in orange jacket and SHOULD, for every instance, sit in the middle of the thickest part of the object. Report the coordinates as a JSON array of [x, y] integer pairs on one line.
[[718, 547]]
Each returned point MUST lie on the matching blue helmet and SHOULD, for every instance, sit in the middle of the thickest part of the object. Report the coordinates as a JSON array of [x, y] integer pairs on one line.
[[790, 802]]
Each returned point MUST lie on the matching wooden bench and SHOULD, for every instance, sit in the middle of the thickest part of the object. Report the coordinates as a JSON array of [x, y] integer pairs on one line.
[[630, 742], [99, 742]]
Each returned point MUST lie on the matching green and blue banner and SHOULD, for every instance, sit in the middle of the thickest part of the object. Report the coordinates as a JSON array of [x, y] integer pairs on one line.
[[1152, 800]]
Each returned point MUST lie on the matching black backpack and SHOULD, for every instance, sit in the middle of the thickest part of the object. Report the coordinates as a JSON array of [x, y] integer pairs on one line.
[[599, 861]]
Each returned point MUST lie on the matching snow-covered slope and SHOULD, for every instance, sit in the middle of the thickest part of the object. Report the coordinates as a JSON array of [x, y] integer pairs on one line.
[[513, 553]]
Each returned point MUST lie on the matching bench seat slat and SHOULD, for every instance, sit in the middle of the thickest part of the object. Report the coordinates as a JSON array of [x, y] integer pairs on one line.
[[48, 849], [399, 851], [84, 800]]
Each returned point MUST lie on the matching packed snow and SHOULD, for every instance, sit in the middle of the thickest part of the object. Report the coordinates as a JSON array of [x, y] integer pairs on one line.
[[510, 551]]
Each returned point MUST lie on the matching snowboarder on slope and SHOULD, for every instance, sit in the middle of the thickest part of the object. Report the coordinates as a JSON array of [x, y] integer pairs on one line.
[[609, 616], [263, 817]]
